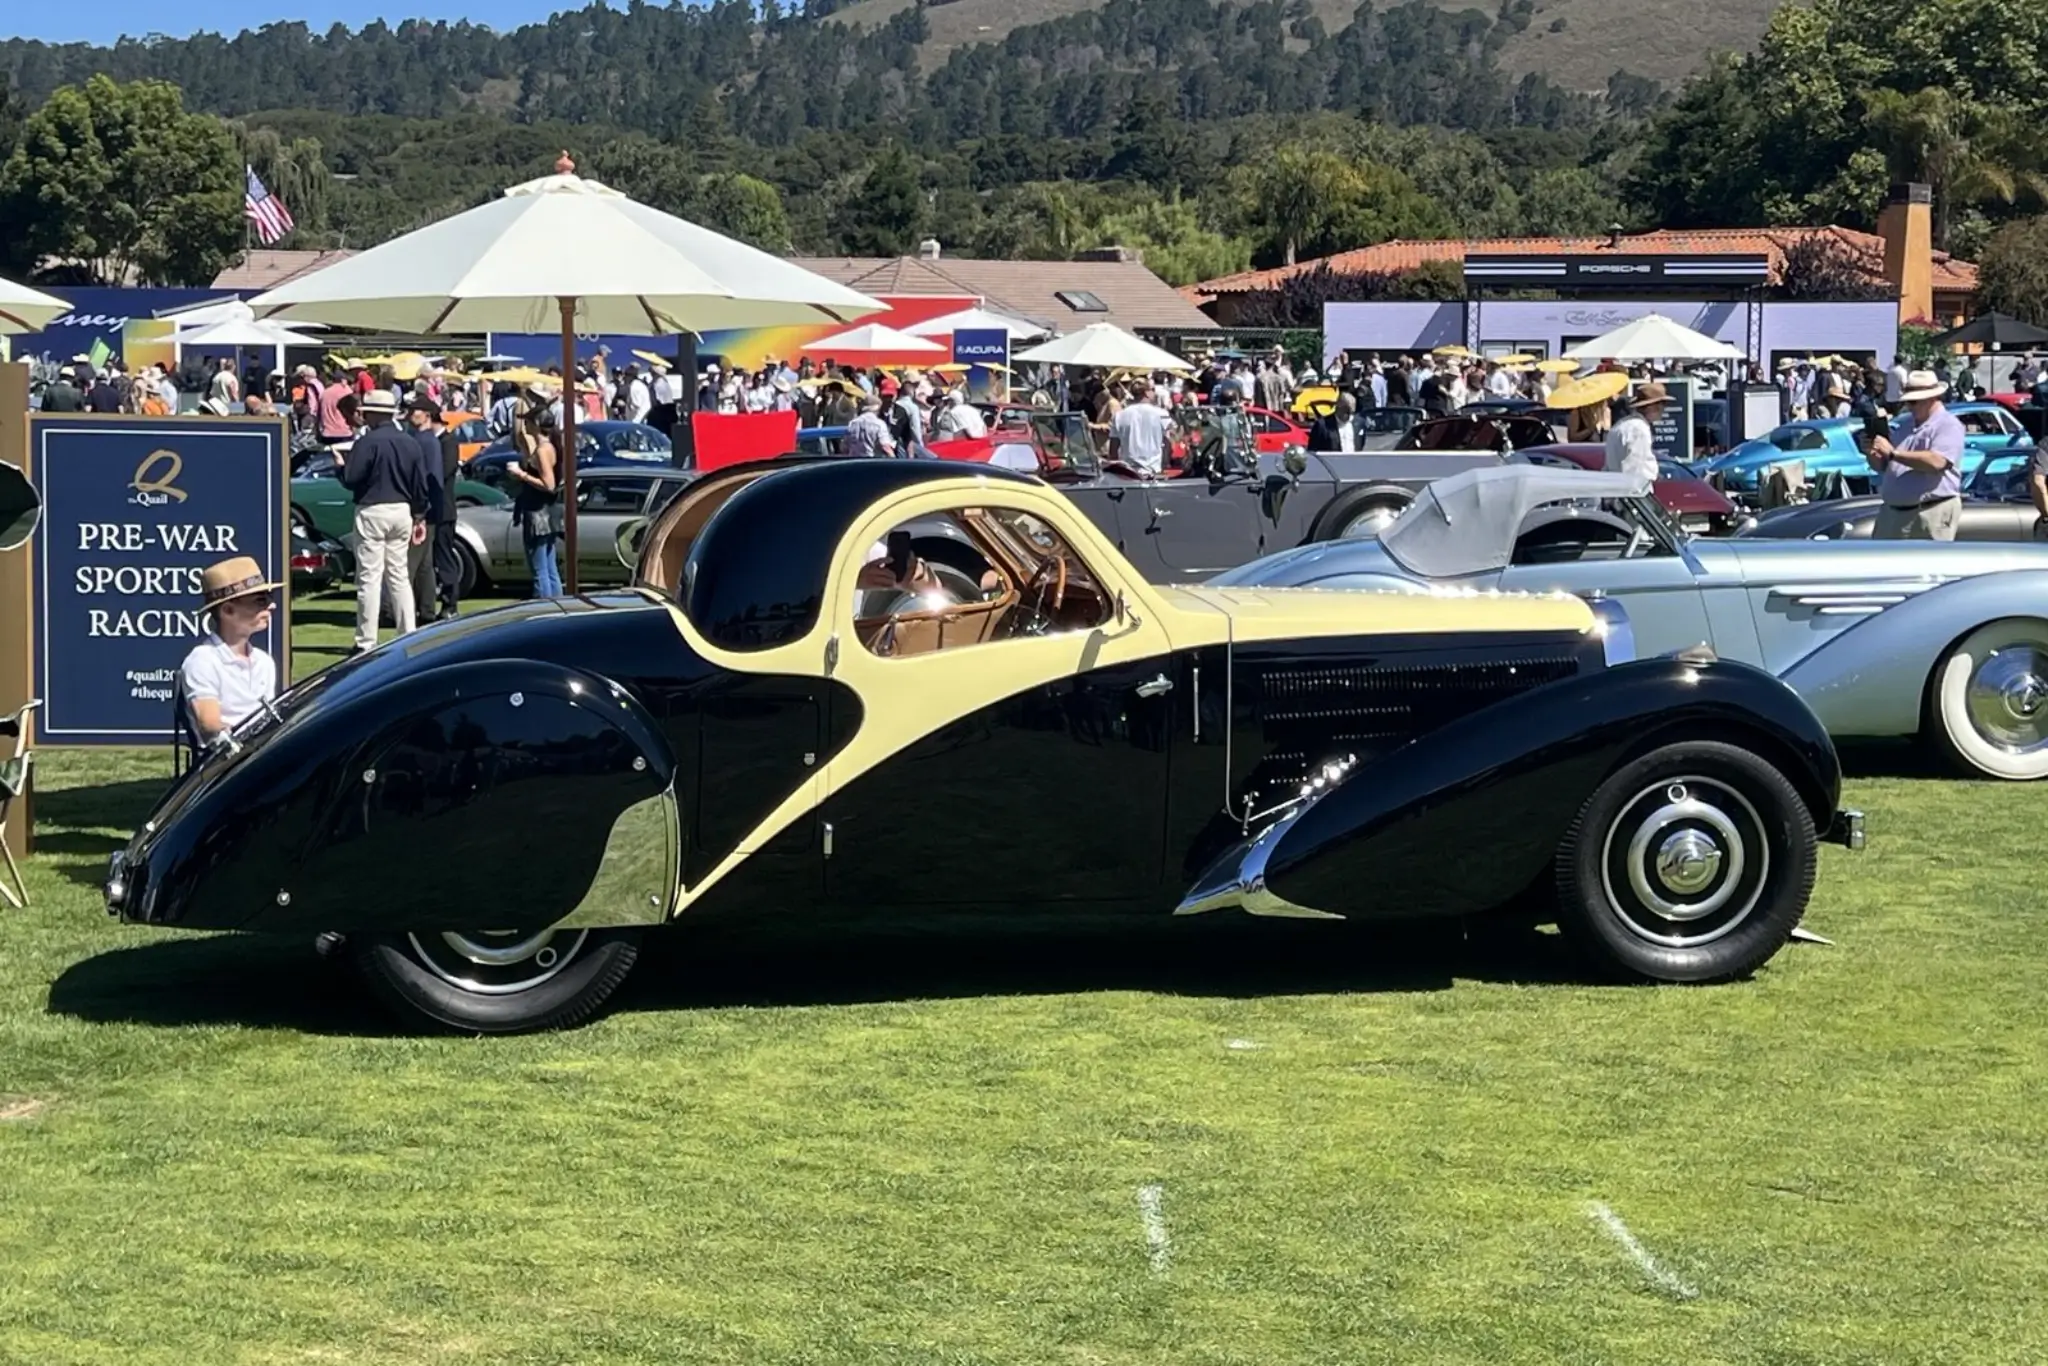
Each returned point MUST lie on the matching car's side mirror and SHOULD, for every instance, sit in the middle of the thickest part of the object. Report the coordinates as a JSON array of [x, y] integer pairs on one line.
[[21, 508], [1294, 459]]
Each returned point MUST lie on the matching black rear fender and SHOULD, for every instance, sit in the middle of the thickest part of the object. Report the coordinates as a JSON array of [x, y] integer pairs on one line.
[[492, 794], [1464, 818]]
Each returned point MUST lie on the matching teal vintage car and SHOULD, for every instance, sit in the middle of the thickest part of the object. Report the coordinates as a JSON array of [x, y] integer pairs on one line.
[[325, 508]]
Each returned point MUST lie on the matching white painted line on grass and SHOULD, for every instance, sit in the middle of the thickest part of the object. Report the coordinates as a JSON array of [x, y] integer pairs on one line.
[[1659, 1275], [1242, 1045], [1157, 1248]]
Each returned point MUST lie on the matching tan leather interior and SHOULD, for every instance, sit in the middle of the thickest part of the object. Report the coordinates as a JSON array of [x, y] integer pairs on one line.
[[942, 628], [675, 529]]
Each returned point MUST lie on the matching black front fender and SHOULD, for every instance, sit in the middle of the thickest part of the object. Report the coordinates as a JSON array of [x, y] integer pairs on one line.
[[490, 794], [1464, 818]]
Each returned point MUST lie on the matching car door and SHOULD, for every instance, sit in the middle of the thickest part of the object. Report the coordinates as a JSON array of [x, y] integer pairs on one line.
[[1658, 587], [605, 501], [999, 761]]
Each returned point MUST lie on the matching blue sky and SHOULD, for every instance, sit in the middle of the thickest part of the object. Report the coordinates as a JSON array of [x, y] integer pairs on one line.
[[103, 22]]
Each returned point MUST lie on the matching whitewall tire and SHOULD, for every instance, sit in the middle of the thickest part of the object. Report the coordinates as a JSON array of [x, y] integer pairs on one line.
[[1988, 704]]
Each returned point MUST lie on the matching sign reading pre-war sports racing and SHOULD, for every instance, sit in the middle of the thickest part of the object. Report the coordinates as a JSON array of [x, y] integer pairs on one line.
[[133, 510]]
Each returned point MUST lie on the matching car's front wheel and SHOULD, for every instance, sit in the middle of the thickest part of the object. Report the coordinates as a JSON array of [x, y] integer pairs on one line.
[[1988, 704], [1691, 864], [469, 575], [498, 981]]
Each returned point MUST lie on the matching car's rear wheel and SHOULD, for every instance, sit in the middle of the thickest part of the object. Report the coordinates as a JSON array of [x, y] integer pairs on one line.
[[1691, 864], [498, 981], [1988, 703]]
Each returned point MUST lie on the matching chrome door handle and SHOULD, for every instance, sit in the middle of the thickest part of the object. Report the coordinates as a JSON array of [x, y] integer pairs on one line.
[[1155, 687]]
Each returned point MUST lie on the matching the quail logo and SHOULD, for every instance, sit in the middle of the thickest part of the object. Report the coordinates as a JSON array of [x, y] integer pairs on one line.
[[155, 481]]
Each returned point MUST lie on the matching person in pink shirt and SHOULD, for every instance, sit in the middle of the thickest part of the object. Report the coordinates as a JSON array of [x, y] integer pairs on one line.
[[337, 411]]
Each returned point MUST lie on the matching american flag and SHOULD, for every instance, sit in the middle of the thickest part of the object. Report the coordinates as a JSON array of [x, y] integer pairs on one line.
[[264, 209]]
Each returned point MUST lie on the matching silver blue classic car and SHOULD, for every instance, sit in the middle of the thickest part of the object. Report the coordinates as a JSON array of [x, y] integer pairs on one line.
[[1827, 445], [1944, 642]]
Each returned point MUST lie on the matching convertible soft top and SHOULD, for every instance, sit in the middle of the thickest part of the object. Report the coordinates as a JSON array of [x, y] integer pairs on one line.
[[1467, 523]]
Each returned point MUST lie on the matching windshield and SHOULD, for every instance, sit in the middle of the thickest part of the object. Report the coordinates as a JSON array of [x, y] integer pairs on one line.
[[1064, 446], [2002, 477]]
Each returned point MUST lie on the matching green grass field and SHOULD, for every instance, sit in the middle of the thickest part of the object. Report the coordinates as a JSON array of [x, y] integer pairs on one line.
[[1366, 1147]]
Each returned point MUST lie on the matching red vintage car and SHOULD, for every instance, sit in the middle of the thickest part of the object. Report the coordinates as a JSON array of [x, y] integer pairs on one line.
[[1699, 507]]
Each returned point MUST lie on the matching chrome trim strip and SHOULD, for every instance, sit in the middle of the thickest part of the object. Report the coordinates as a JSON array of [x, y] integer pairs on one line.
[[1893, 590]]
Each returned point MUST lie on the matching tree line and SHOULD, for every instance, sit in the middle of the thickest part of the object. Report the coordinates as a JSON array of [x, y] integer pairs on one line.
[[1213, 135]]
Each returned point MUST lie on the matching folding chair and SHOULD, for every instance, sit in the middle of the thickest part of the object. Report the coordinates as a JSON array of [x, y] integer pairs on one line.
[[14, 781], [184, 736]]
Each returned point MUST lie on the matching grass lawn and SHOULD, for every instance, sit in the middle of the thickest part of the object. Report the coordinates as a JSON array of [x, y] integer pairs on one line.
[[1195, 1143]]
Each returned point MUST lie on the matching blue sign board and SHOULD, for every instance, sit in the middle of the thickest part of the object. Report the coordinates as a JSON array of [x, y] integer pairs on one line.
[[979, 350], [545, 348], [99, 313], [133, 510]]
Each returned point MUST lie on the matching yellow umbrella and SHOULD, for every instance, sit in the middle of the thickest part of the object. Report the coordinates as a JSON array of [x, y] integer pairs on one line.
[[1558, 367], [406, 365], [663, 361], [1453, 351], [1516, 359], [1595, 388], [951, 367]]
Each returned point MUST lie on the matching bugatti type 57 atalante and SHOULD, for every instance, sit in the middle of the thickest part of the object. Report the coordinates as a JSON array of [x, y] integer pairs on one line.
[[790, 707]]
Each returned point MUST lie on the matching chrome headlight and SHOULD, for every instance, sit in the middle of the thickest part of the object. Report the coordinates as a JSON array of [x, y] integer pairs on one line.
[[1617, 636]]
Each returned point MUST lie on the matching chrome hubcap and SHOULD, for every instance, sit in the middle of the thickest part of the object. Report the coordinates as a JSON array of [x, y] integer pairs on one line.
[[1685, 861], [1688, 860], [1371, 522], [2008, 697], [497, 962]]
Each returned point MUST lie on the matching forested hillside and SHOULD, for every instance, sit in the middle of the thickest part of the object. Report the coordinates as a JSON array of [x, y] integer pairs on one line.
[[1148, 122]]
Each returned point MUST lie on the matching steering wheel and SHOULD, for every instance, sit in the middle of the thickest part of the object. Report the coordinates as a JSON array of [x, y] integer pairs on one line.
[[1049, 577], [1055, 569]]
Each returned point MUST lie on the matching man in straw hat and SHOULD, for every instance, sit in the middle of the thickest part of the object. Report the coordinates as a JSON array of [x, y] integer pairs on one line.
[[386, 474], [228, 678], [1629, 447], [1919, 467]]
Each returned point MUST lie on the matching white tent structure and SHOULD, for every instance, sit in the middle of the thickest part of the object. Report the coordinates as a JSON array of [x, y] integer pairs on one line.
[[1105, 346], [245, 333], [564, 252], [27, 310], [1654, 337], [873, 337], [977, 320]]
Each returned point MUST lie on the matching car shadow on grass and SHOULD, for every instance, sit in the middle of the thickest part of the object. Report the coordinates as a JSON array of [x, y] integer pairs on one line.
[[1222, 956], [276, 982]]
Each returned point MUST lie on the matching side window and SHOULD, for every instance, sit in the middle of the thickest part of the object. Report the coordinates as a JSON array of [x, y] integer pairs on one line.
[[612, 495], [971, 577]]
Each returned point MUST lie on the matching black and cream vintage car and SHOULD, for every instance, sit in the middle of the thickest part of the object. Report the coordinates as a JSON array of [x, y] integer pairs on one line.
[[773, 720]]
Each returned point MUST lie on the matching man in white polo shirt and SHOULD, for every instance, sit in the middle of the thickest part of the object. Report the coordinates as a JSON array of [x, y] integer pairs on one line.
[[227, 677]]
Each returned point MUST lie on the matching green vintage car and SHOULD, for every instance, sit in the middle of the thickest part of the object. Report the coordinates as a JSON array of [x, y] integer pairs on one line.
[[325, 508]]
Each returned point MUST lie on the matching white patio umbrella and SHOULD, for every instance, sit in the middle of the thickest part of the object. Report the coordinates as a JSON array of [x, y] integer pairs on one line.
[[564, 252], [977, 320], [1654, 337], [1106, 346], [27, 310], [873, 337], [240, 332]]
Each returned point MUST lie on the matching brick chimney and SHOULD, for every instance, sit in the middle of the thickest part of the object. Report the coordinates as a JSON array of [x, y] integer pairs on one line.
[[1906, 223]]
